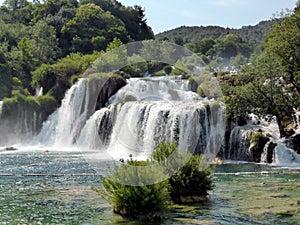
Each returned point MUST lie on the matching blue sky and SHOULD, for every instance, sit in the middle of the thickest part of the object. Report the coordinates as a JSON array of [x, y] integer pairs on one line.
[[168, 14]]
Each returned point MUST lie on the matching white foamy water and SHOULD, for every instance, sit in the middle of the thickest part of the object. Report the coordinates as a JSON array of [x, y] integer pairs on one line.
[[155, 89], [143, 113], [1, 104], [285, 157]]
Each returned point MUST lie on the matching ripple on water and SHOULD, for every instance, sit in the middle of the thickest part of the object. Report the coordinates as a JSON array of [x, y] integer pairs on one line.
[[238, 197]]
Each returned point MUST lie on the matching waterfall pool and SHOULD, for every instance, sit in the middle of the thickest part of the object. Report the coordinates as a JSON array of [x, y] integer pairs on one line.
[[54, 187]]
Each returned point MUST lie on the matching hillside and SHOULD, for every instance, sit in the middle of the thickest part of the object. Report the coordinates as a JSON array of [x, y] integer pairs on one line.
[[196, 33]]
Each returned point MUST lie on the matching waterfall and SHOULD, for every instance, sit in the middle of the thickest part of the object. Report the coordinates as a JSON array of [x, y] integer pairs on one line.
[[268, 152], [39, 91], [284, 156], [155, 89], [239, 143], [137, 127], [297, 121], [64, 126], [1, 104], [140, 115]]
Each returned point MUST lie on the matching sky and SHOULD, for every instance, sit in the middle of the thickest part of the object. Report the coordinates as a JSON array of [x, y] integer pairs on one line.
[[164, 15]]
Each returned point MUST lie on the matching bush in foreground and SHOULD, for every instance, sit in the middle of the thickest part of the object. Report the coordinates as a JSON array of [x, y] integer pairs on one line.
[[130, 198], [192, 181], [142, 189]]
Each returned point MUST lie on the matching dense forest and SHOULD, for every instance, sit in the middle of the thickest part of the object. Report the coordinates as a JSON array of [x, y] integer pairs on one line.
[[44, 44], [197, 33], [221, 48]]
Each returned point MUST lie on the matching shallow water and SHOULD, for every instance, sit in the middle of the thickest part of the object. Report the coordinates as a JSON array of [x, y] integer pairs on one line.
[[55, 188]]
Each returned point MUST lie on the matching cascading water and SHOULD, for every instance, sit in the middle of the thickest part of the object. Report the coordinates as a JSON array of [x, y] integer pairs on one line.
[[277, 151], [143, 113], [297, 114], [284, 156], [39, 91], [1, 104], [239, 143], [63, 126]]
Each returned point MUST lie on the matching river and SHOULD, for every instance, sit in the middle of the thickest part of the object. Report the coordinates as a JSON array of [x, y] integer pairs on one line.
[[54, 187]]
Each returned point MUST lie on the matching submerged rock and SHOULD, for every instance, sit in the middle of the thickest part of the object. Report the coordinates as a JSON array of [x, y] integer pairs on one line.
[[192, 199]]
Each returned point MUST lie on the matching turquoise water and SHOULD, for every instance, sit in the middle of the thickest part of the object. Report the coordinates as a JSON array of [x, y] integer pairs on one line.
[[55, 188]]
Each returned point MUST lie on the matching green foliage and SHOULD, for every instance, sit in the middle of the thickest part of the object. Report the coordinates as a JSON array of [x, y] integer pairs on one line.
[[206, 86], [74, 79], [45, 42], [92, 29], [283, 43], [36, 39], [116, 42], [141, 201], [255, 137], [128, 190], [133, 18], [162, 151], [44, 77], [47, 105], [191, 181], [195, 34], [12, 105], [270, 85], [168, 69], [220, 47], [178, 40]]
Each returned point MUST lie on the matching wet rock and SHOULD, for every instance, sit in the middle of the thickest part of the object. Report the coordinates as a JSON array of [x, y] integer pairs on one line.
[[258, 142], [294, 143], [11, 148], [109, 86]]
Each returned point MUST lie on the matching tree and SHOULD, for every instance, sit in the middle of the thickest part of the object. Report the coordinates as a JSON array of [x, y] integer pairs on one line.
[[270, 85], [116, 42], [5, 75], [44, 40], [16, 11], [178, 40], [284, 42], [92, 29], [133, 18], [205, 45]]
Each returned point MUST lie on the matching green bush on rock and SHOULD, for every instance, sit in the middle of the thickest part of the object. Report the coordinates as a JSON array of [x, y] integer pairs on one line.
[[142, 189], [136, 200], [192, 181]]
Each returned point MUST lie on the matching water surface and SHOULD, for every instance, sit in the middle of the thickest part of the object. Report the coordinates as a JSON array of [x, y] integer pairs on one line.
[[55, 188]]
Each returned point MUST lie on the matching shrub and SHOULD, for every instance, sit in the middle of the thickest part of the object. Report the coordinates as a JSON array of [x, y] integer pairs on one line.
[[144, 193], [127, 189], [192, 181], [74, 79]]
